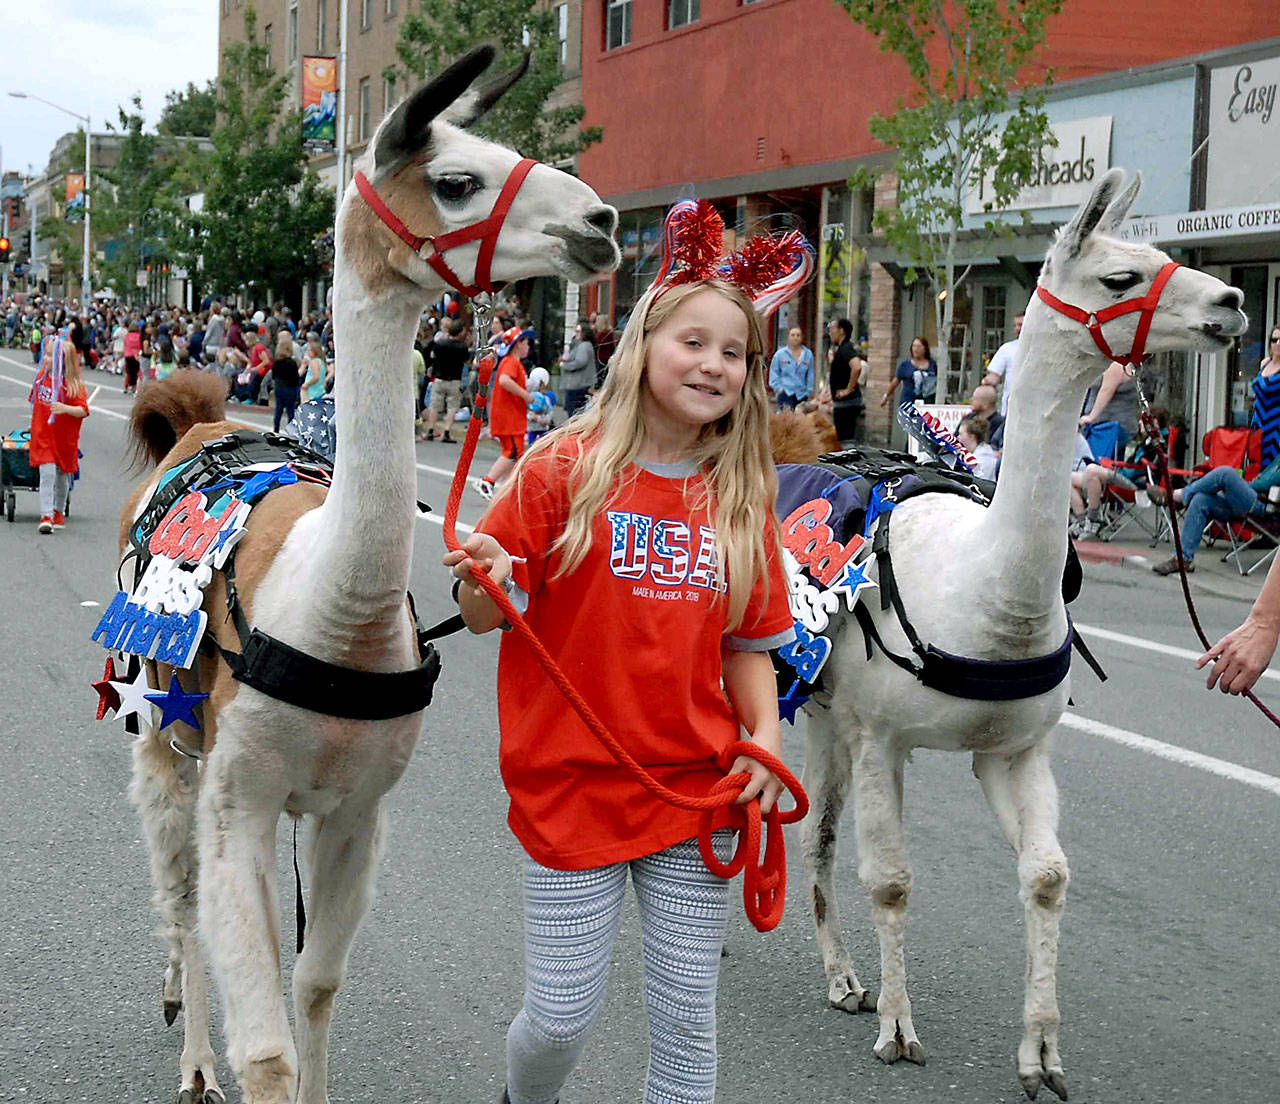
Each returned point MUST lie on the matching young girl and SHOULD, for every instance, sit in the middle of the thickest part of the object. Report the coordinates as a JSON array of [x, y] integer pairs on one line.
[[59, 405], [640, 538], [508, 408]]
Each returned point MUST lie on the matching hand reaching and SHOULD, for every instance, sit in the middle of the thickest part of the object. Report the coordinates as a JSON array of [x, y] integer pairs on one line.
[[1242, 655]]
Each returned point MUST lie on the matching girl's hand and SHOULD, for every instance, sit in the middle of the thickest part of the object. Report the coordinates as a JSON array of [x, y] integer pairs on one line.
[[763, 783], [480, 552], [1242, 655]]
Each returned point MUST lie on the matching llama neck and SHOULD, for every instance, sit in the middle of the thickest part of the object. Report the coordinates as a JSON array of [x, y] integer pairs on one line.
[[367, 536], [1025, 529]]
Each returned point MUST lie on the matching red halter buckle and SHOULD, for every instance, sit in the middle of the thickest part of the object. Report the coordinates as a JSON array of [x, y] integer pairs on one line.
[[1094, 322], [486, 231]]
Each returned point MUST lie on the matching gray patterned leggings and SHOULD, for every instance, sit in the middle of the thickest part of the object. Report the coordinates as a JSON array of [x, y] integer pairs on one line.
[[571, 918]]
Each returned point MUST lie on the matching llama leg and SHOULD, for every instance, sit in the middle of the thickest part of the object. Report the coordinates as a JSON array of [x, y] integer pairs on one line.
[[241, 928], [885, 870], [1021, 790], [164, 790], [827, 768], [343, 859]]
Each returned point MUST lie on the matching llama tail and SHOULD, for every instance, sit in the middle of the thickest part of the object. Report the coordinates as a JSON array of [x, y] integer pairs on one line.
[[166, 409]]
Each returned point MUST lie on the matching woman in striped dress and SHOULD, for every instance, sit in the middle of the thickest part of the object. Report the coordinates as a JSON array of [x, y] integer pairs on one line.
[[1266, 399]]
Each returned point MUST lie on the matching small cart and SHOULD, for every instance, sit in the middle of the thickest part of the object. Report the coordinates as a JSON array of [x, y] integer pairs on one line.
[[16, 471]]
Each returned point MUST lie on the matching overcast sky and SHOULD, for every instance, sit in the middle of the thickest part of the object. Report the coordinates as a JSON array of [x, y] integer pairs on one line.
[[90, 56]]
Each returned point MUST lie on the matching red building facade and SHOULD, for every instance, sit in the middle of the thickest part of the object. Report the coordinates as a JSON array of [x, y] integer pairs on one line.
[[764, 105]]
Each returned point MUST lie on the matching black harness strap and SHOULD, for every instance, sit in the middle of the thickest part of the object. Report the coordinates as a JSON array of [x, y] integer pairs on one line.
[[958, 676]]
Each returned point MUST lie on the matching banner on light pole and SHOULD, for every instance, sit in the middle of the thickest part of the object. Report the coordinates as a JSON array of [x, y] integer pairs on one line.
[[75, 196], [319, 102]]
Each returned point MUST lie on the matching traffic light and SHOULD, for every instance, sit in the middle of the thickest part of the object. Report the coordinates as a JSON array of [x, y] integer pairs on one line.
[[4, 250]]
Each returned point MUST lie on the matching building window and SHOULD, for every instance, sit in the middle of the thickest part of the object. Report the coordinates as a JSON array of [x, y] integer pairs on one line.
[[266, 41], [226, 8], [363, 102], [392, 5], [562, 33], [388, 93], [617, 24], [322, 26], [366, 7], [680, 13], [291, 46]]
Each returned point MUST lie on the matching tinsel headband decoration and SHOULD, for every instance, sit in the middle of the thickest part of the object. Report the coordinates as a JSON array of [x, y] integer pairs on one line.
[[770, 268]]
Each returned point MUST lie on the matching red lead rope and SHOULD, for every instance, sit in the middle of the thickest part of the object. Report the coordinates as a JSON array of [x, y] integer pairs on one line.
[[764, 890]]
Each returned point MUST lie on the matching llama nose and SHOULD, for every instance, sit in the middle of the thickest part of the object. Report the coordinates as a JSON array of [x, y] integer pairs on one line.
[[602, 217], [1232, 299]]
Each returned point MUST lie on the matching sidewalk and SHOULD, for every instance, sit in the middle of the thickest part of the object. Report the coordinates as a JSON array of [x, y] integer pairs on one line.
[[1211, 576]]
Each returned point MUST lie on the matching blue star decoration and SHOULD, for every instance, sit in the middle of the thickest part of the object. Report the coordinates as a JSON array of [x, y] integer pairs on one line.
[[790, 702], [175, 705], [851, 580]]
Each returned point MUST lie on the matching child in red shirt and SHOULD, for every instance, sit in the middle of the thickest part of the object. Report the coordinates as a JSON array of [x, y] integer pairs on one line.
[[508, 407], [59, 404], [640, 538]]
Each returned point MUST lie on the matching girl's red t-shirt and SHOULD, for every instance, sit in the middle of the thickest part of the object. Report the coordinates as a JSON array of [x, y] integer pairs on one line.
[[56, 442], [639, 628], [508, 415]]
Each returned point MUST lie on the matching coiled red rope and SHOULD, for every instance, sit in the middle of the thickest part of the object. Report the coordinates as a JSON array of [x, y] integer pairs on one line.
[[764, 888]]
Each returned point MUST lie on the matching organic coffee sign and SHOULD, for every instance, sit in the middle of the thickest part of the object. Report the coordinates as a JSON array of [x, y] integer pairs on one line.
[[1064, 174], [1244, 134]]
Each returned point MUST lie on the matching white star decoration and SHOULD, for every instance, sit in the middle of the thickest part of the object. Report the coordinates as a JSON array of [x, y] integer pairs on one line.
[[132, 697]]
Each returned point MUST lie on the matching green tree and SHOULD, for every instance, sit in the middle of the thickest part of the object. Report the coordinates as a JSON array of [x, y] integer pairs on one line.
[[443, 30], [961, 126], [65, 237], [138, 211], [263, 206], [190, 111]]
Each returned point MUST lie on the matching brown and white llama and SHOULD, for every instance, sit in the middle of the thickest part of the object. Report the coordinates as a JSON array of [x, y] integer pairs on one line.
[[264, 757]]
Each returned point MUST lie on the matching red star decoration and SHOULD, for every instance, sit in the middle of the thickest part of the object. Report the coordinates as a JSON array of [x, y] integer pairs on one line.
[[108, 697]]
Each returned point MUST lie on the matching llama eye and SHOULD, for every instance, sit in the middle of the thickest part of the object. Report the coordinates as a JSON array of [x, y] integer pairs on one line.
[[1121, 281], [454, 189]]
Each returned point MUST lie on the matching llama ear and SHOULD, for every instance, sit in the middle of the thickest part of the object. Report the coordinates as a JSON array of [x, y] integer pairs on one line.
[[407, 130], [1118, 209], [476, 102], [1086, 219]]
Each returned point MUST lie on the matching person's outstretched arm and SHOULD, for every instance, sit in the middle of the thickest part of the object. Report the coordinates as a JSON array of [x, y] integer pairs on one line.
[[1243, 654]]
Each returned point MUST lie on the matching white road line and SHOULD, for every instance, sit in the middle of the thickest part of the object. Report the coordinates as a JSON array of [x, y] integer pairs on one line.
[[1232, 771], [1150, 645], [100, 410]]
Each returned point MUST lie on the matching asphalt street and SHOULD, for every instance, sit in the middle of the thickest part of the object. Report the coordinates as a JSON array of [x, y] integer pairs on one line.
[[1170, 800]]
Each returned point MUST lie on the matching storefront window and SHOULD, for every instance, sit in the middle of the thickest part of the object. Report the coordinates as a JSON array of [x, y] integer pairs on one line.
[[1246, 355]]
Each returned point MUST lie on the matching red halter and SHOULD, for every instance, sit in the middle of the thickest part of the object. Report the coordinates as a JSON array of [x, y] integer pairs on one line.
[[1147, 305], [486, 231]]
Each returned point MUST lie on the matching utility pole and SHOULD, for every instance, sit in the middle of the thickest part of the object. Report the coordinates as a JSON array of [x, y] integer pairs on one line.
[[342, 114]]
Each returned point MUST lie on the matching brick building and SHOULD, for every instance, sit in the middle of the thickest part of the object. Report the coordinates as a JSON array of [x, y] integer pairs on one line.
[[763, 107]]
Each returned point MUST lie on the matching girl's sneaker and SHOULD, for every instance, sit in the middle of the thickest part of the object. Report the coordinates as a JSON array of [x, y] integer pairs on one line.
[[46, 524], [59, 520]]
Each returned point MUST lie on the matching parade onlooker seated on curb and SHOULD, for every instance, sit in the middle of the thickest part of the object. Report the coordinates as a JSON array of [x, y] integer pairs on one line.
[[973, 432], [982, 403], [1087, 483], [1220, 495]]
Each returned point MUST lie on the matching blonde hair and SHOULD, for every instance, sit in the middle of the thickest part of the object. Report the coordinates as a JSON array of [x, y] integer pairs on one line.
[[72, 378], [732, 452], [284, 344]]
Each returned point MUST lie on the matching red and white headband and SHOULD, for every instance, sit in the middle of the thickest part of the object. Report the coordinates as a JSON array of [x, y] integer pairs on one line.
[[770, 269]]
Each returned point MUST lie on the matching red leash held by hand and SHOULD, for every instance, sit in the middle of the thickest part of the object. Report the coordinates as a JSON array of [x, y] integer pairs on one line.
[[764, 888]]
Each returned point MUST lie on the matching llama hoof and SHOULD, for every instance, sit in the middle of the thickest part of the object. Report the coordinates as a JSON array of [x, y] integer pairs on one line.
[[849, 996], [214, 1096], [901, 1044], [171, 1010], [1057, 1081]]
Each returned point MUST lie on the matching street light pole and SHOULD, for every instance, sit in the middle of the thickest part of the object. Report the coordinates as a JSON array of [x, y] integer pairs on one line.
[[86, 289]]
